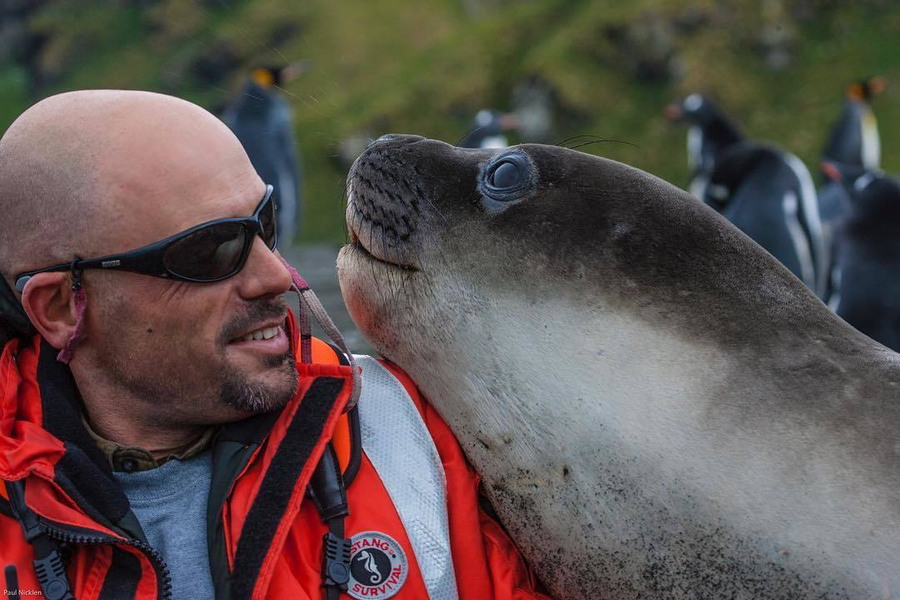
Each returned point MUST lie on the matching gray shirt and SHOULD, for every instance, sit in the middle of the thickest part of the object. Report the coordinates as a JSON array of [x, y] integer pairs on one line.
[[170, 504]]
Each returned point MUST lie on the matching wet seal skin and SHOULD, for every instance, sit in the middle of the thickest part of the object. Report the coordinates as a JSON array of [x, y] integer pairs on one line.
[[657, 407]]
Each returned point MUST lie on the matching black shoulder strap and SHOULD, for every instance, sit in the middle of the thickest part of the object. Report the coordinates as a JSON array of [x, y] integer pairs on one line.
[[279, 482], [326, 488]]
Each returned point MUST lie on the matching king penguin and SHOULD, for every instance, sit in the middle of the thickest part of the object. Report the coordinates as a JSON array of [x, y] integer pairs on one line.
[[261, 119], [852, 147]]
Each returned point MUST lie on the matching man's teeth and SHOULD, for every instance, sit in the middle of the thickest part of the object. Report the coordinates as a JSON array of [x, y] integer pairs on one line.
[[260, 334]]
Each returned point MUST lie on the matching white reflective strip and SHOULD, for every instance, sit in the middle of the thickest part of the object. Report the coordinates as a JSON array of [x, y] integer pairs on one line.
[[399, 446]]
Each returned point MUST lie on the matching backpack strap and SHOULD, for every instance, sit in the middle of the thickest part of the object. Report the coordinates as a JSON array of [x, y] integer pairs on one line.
[[48, 564]]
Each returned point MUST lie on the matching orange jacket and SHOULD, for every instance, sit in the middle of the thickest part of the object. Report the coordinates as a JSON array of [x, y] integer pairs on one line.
[[266, 539]]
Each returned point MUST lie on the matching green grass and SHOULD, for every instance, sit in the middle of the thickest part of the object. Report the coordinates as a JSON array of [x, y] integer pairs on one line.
[[13, 99], [404, 66]]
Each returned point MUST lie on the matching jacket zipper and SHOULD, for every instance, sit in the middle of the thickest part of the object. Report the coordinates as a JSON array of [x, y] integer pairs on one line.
[[156, 560]]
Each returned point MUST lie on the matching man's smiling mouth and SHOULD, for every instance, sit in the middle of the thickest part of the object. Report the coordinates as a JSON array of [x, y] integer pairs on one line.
[[265, 333], [269, 336]]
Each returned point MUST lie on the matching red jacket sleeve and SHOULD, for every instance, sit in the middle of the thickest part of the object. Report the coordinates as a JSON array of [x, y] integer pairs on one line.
[[486, 562]]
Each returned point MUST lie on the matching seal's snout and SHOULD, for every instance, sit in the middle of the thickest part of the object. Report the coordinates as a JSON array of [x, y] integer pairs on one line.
[[385, 198]]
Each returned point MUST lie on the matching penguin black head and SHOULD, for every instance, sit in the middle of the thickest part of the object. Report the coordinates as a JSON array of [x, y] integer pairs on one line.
[[877, 194], [851, 177], [866, 89], [701, 111], [266, 77]]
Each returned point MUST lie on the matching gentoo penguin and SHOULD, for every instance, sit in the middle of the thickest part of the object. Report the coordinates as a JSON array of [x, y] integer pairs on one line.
[[867, 256], [710, 133], [261, 119], [764, 190], [489, 130]]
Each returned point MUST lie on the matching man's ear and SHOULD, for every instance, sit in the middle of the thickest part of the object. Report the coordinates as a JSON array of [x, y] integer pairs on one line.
[[49, 302]]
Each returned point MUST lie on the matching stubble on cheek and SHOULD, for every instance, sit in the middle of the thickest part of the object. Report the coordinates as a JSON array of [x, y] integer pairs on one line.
[[254, 396], [179, 366], [153, 353]]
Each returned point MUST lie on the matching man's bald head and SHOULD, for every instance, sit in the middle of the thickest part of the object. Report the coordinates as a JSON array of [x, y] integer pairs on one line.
[[80, 170], [92, 173]]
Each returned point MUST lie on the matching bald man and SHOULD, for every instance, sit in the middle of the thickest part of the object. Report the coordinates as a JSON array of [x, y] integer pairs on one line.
[[167, 429]]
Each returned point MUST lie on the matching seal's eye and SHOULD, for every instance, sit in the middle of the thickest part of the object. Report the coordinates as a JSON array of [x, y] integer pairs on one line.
[[506, 174], [507, 179]]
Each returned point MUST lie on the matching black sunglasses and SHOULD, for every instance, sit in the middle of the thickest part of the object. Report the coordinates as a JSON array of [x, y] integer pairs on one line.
[[208, 252]]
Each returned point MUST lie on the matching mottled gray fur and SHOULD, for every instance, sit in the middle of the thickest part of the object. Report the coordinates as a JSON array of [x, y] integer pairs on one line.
[[658, 408]]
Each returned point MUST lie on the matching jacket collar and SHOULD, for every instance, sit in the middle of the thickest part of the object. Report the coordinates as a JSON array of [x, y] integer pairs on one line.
[[42, 433]]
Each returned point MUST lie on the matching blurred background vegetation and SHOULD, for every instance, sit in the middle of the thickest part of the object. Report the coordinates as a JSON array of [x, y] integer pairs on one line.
[[607, 68]]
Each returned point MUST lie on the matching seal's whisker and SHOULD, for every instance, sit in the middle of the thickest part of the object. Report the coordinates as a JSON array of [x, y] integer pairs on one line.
[[358, 223], [593, 139], [563, 143], [583, 144], [468, 135], [345, 200], [436, 210]]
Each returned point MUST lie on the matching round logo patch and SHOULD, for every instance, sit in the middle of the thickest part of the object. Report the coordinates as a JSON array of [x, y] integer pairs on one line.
[[378, 566]]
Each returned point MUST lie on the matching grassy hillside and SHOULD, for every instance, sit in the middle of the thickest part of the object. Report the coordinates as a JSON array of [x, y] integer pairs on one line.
[[405, 66]]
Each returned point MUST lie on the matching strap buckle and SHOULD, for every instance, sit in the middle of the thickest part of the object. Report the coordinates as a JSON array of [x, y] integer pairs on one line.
[[336, 563]]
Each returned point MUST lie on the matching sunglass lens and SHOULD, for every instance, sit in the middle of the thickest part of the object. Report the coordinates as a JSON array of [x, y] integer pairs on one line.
[[267, 222], [209, 253]]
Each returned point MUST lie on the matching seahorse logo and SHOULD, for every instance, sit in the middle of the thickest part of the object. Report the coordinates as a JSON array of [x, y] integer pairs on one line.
[[369, 564], [378, 566]]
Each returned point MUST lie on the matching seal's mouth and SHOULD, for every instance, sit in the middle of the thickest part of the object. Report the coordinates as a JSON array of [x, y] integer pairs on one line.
[[357, 245]]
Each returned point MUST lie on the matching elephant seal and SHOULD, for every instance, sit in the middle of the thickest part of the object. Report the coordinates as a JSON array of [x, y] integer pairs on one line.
[[657, 407]]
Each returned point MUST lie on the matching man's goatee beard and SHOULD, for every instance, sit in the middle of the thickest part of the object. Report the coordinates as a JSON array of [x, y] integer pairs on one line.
[[258, 397]]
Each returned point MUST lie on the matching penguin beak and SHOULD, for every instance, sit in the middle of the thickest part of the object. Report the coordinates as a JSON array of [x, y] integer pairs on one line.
[[831, 171], [673, 112]]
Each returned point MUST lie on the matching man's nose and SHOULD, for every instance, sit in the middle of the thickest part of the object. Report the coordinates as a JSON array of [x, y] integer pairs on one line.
[[263, 274]]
